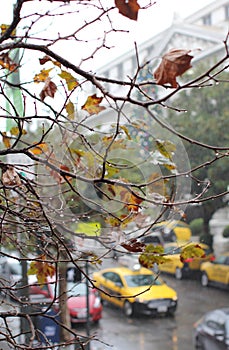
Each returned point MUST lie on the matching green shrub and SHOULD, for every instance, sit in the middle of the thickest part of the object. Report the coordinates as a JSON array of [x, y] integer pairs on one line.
[[226, 232], [196, 226]]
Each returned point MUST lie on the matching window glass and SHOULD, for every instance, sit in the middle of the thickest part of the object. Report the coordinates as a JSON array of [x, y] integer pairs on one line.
[[220, 260], [77, 289], [141, 280]]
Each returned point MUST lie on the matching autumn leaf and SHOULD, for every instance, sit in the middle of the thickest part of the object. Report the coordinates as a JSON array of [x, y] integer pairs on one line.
[[134, 246], [166, 148], [42, 76], [42, 270], [6, 140], [111, 171], [192, 251], [39, 149], [10, 177], [46, 58], [15, 131], [92, 105], [128, 8], [112, 221], [48, 90], [126, 131], [71, 82], [153, 254], [4, 28], [174, 63], [7, 63], [134, 203], [70, 110], [130, 200]]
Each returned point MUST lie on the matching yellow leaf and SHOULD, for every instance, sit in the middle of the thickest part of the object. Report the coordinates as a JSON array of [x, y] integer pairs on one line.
[[39, 149], [70, 110], [70, 80], [169, 166], [111, 170], [192, 251], [124, 128], [6, 140], [42, 76], [15, 131], [152, 255], [166, 148], [4, 28], [42, 270], [92, 105], [112, 221]]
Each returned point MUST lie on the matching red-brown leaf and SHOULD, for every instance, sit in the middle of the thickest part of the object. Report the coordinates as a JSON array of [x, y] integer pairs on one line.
[[134, 246], [174, 63], [48, 90], [128, 8]]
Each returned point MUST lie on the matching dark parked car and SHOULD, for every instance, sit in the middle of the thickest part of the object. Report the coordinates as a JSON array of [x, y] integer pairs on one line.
[[211, 332]]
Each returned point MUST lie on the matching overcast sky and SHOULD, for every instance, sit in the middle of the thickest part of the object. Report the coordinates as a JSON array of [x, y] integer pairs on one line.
[[150, 22]]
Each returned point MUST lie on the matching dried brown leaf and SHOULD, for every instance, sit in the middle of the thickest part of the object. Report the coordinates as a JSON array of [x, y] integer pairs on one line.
[[174, 63], [10, 177], [49, 89], [128, 8]]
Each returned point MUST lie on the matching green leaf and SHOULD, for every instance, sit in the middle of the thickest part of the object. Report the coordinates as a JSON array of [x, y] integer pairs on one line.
[[166, 148]]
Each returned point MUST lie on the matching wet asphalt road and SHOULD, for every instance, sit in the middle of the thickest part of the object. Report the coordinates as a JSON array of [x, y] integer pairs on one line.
[[160, 333]]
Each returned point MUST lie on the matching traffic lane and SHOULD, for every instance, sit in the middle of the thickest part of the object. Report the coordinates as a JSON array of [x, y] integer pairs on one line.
[[163, 333]]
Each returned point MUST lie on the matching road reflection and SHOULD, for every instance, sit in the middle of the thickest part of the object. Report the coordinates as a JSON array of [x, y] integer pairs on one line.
[[160, 333]]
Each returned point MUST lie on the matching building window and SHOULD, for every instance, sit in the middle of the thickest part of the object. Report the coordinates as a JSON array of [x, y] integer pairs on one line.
[[207, 20], [227, 12]]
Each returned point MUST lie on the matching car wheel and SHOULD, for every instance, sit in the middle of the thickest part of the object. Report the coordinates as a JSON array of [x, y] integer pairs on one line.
[[128, 309], [198, 343], [204, 280], [178, 273], [171, 314]]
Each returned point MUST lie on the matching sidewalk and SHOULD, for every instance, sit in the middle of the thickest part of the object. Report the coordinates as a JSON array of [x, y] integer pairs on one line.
[[12, 322]]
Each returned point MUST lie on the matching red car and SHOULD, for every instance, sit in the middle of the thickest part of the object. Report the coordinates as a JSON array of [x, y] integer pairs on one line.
[[77, 303], [77, 300]]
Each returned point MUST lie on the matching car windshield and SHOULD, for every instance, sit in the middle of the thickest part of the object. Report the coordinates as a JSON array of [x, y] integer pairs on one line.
[[141, 280], [77, 289]]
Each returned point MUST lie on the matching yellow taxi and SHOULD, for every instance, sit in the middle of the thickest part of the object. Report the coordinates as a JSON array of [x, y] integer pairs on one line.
[[136, 291], [179, 268], [174, 230], [216, 272]]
